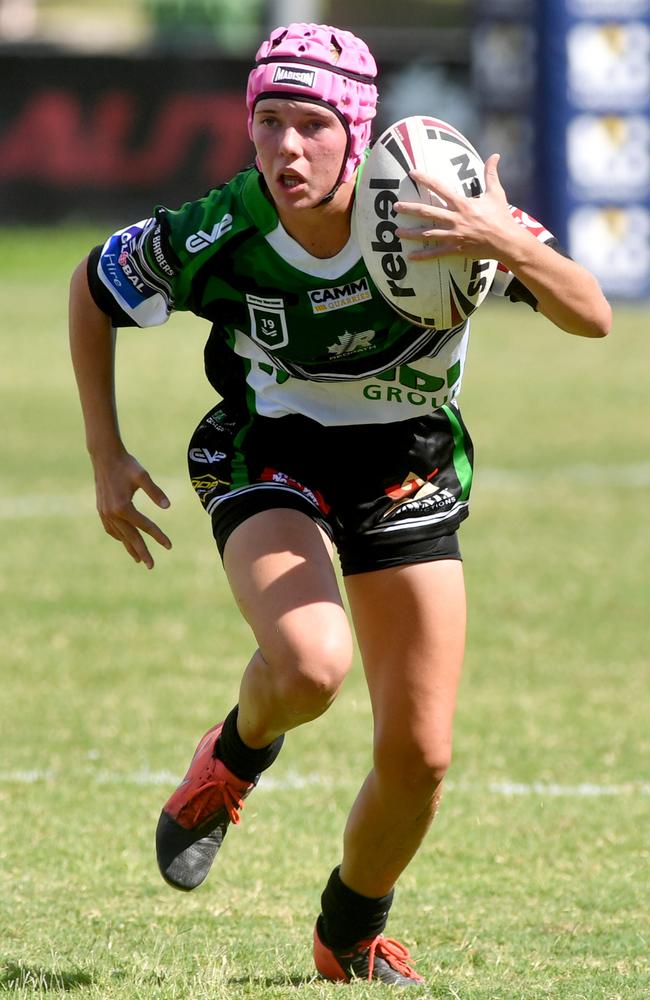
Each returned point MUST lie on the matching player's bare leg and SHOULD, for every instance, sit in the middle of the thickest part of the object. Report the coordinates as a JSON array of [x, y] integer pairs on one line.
[[280, 570], [410, 624]]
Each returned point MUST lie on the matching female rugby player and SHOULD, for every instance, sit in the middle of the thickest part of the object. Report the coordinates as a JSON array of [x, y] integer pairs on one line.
[[318, 442]]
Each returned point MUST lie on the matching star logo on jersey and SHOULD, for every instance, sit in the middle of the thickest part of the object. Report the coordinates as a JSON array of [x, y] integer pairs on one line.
[[349, 343]]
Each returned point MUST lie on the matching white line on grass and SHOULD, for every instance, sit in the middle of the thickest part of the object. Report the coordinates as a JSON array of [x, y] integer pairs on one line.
[[19, 508], [22, 506], [26, 777], [631, 474], [635, 475], [292, 780], [552, 789]]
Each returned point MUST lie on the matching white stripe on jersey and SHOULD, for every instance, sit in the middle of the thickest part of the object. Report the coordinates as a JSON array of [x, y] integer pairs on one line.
[[327, 268]]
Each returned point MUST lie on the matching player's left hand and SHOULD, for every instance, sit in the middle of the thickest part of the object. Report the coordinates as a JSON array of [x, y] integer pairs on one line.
[[467, 227]]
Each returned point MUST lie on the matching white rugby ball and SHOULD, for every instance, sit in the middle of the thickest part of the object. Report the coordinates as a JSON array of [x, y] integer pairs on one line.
[[440, 292]]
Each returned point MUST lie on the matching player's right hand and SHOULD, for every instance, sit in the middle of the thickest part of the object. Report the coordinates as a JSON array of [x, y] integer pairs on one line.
[[116, 482]]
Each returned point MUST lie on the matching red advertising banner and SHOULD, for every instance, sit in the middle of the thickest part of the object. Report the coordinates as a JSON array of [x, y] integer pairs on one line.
[[109, 137]]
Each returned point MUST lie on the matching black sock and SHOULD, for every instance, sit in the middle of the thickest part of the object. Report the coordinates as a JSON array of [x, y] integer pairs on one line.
[[348, 917], [242, 760]]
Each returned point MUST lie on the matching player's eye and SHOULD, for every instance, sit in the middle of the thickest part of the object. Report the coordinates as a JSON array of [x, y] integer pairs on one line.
[[266, 118]]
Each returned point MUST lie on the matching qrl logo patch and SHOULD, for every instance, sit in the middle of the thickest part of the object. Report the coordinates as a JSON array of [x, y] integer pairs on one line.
[[268, 322]]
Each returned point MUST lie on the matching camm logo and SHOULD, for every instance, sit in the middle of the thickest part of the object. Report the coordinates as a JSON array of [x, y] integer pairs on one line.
[[328, 299]]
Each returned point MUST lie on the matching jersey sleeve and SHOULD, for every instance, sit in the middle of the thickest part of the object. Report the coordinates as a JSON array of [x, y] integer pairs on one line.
[[133, 277], [505, 283]]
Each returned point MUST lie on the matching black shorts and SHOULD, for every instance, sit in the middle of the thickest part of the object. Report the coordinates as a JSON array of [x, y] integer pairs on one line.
[[386, 494]]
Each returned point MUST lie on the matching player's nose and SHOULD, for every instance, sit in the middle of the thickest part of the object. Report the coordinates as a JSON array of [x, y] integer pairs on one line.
[[290, 142]]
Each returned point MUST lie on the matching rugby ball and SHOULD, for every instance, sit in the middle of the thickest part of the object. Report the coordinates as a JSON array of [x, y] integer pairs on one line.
[[440, 292]]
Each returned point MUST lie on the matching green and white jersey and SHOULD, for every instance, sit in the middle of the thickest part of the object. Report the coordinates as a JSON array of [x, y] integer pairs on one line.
[[291, 333]]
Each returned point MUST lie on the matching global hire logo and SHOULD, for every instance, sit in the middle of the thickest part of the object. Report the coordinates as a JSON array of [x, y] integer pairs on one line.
[[328, 299], [298, 77]]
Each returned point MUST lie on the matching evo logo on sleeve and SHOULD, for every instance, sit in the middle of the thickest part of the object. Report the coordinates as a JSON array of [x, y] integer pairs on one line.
[[202, 239]]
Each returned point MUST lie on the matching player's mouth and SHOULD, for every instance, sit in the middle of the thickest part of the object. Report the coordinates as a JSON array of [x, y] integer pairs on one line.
[[289, 180]]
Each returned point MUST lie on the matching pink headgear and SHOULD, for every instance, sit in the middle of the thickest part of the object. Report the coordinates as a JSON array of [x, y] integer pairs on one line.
[[322, 65]]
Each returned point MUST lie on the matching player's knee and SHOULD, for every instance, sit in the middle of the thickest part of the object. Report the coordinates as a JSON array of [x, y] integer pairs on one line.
[[310, 671], [324, 665]]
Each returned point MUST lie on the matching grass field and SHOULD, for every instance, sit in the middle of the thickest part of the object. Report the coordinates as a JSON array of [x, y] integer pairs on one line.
[[534, 882]]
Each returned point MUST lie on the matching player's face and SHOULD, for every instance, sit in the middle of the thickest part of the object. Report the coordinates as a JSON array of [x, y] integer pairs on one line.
[[300, 148]]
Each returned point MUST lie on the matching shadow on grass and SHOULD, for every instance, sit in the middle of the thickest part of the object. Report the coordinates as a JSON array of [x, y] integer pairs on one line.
[[432, 993], [278, 980], [314, 980], [16, 976]]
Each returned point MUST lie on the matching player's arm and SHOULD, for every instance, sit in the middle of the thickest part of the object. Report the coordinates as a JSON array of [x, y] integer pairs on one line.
[[117, 473], [566, 293]]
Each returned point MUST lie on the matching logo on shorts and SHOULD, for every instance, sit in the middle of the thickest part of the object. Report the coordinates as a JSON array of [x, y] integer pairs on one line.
[[208, 482], [329, 299], [219, 420], [298, 77], [412, 492], [268, 322], [283, 479], [205, 456]]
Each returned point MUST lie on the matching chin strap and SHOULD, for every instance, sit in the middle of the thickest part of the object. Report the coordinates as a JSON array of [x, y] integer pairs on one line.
[[328, 197]]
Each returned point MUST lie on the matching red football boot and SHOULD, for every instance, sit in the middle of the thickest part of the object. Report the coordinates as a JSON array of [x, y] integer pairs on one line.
[[380, 959], [196, 818]]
